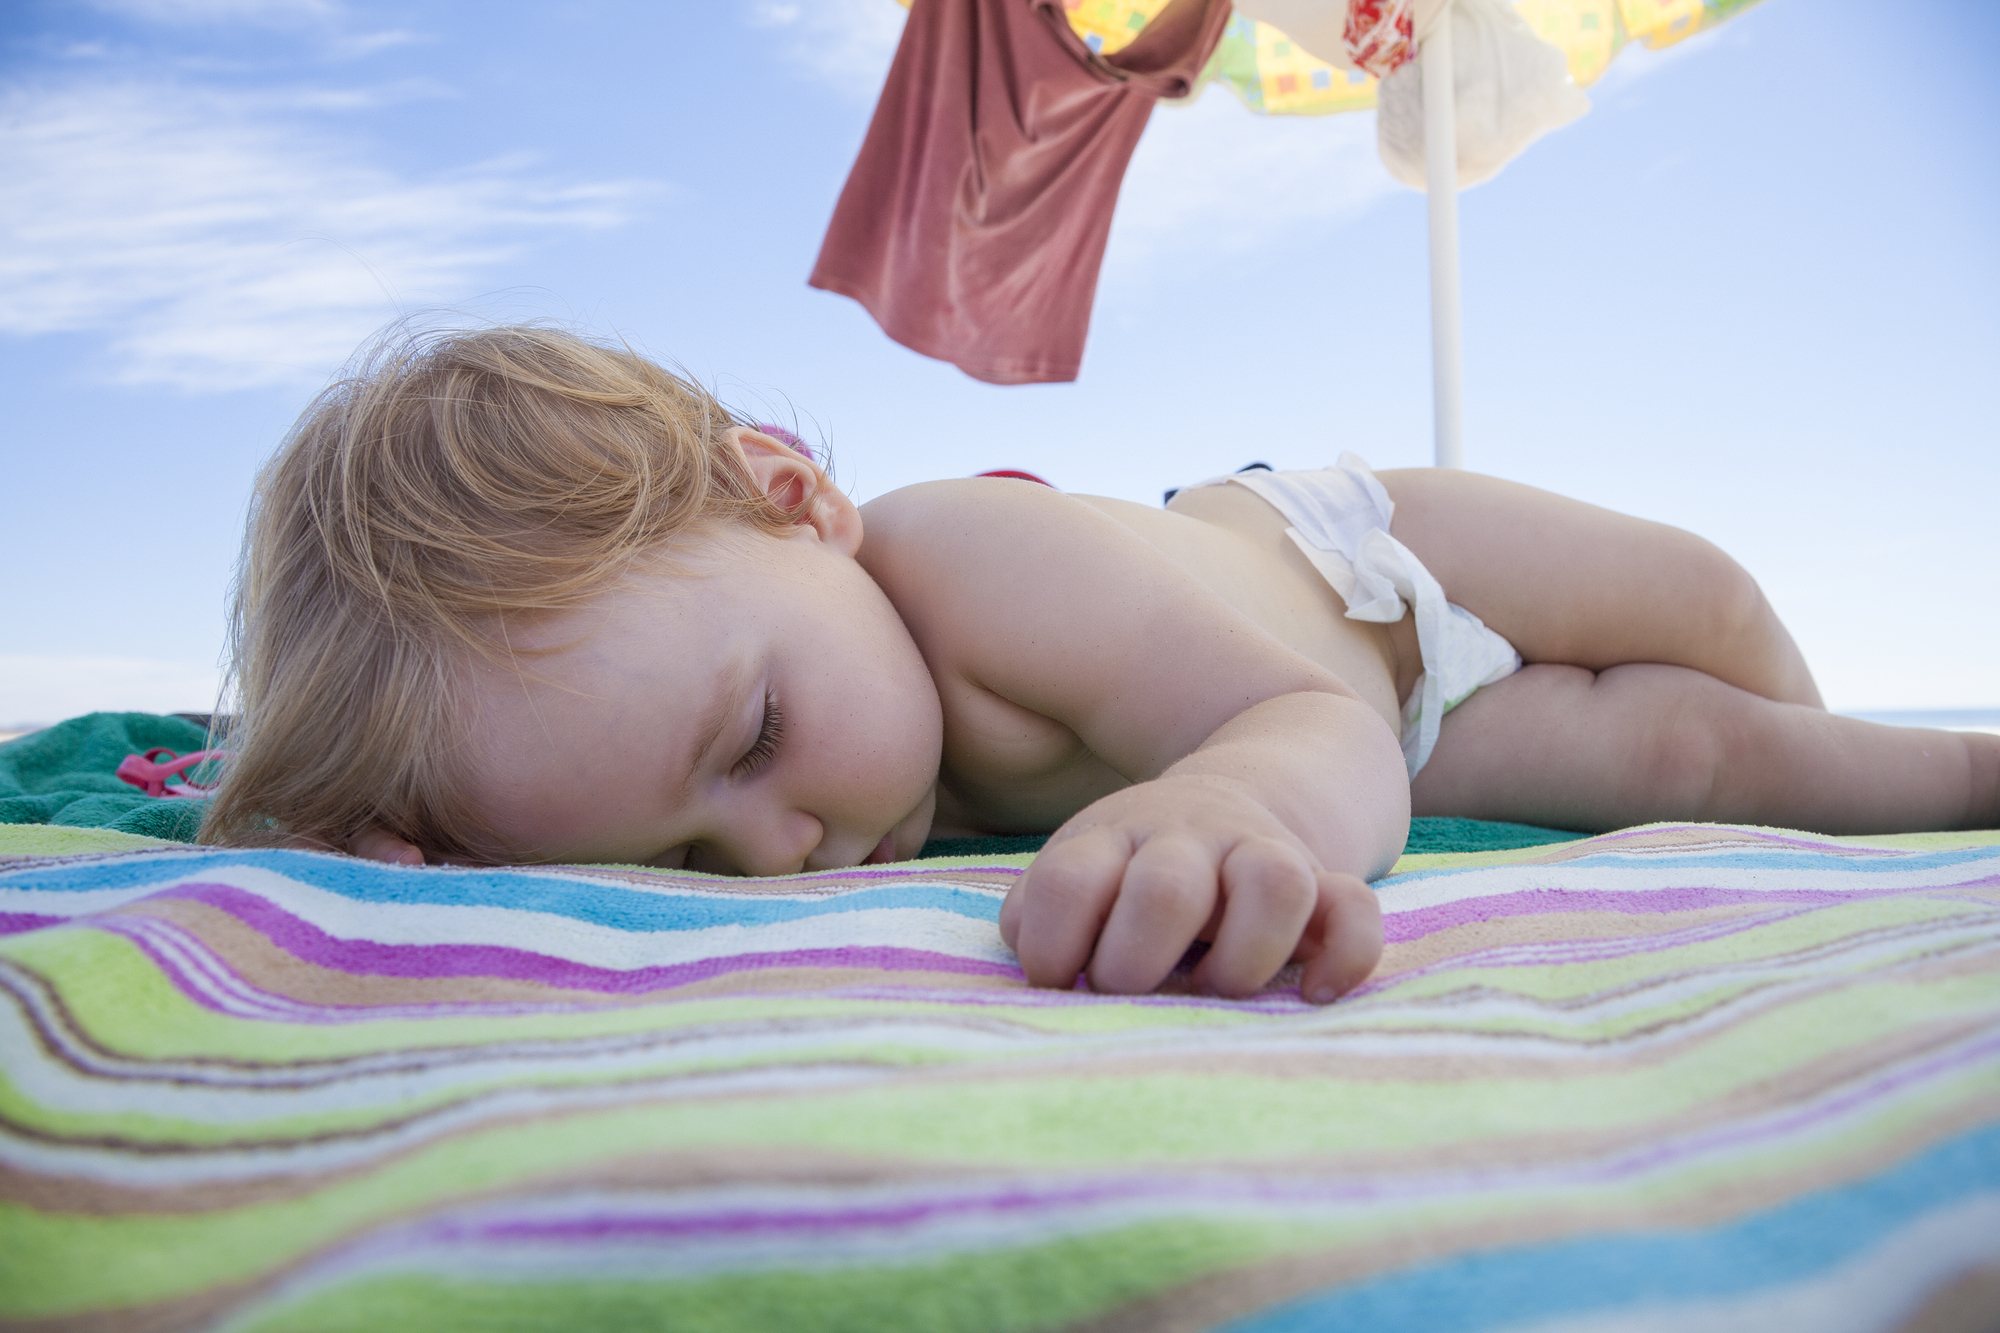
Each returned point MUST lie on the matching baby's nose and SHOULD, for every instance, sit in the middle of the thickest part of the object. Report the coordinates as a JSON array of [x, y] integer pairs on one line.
[[782, 846]]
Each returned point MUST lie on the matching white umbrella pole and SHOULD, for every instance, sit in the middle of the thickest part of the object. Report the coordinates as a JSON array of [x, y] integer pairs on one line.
[[1441, 185]]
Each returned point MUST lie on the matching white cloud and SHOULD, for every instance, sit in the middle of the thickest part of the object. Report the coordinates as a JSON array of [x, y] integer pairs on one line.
[[329, 23], [1212, 175], [325, 25], [225, 239], [264, 13], [357, 44], [39, 690], [846, 44]]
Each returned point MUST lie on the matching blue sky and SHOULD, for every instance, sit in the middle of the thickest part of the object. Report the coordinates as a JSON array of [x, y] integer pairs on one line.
[[1754, 292]]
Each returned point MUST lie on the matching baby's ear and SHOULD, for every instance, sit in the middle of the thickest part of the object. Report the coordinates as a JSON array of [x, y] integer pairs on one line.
[[788, 477]]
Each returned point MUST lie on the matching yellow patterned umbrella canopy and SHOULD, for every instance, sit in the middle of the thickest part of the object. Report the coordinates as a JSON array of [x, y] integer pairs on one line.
[[1275, 76]]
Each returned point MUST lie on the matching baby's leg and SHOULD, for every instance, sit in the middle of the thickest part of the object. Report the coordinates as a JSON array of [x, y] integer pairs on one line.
[[1573, 748], [1567, 582]]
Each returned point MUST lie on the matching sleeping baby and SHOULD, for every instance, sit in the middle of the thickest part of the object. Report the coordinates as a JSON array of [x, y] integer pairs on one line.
[[511, 595]]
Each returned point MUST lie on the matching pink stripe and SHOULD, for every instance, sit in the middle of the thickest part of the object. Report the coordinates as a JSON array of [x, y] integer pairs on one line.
[[197, 972], [751, 1221], [19, 923], [303, 940], [1422, 921], [205, 978], [1742, 832], [1570, 952]]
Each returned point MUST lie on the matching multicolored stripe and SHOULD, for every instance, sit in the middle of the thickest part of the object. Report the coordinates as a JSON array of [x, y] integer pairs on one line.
[[1679, 1076]]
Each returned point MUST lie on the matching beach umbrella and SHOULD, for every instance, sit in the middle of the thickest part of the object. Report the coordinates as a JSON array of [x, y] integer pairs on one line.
[[1460, 86]]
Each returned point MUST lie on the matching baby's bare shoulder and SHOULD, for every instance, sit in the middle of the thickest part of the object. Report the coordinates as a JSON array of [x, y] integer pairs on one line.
[[973, 559], [970, 524], [953, 500]]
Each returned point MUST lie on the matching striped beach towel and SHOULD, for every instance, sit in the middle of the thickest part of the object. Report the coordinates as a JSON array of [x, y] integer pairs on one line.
[[1673, 1077]]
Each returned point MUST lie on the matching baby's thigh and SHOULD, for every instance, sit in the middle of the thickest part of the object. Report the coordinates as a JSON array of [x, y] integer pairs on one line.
[[1565, 581], [1564, 746]]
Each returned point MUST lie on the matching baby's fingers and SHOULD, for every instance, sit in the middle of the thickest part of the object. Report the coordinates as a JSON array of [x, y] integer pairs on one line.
[[1347, 924], [1054, 911], [1166, 897], [374, 844], [1270, 894]]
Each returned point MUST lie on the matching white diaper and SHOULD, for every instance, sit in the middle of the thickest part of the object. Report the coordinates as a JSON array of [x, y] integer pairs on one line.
[[1339, 517]]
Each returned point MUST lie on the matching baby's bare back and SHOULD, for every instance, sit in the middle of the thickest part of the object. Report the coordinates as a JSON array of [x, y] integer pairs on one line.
[[1234, 544], [1072, 660]]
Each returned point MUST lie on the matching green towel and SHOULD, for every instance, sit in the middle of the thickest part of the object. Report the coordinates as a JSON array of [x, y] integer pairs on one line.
[[1442, 833], [1427, 834], [68, 774]]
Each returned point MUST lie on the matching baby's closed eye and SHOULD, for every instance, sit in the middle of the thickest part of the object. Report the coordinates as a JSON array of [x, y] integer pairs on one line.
[[765, 747]]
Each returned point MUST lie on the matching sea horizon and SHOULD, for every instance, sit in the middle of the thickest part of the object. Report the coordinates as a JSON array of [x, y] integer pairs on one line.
[[1945, 719]]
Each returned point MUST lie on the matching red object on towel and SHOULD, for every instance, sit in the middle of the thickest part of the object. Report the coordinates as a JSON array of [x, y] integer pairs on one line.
[[973, 223], [149, 772]]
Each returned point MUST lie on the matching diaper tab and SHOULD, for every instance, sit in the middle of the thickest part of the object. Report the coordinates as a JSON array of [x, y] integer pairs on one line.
[[1339, 519]]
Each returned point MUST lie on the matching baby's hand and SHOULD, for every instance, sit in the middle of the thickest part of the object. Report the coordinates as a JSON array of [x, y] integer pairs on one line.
[[1131, 881], [371, 844]]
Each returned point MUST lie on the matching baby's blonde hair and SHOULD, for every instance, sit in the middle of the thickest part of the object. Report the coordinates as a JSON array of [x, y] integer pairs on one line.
[[445, 483]]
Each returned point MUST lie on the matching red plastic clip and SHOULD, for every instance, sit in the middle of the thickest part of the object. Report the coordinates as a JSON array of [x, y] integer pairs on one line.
[[1018, 475], [149, 772]]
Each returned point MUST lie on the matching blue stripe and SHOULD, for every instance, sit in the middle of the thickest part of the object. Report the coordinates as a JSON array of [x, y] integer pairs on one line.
[[1799, 1241], [672, 906]]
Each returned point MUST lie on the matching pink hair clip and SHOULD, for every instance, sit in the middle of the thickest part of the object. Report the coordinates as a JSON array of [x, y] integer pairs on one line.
[[150, 773], [783, 436]]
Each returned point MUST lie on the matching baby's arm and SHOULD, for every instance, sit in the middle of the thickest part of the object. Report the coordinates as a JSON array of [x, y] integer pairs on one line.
[[1265, 791]]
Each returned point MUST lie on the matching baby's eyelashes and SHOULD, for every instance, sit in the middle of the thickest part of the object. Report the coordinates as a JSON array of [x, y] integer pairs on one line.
[[765, 748]]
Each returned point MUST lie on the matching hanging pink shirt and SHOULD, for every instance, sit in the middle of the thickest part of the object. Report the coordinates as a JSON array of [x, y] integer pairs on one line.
[[974, 221]]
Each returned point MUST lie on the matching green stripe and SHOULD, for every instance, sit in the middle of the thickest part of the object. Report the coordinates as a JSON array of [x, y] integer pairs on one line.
[[1034, 1286]]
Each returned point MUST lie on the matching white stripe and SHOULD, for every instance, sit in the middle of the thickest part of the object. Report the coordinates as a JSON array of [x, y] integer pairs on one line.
[[1424, 889]]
